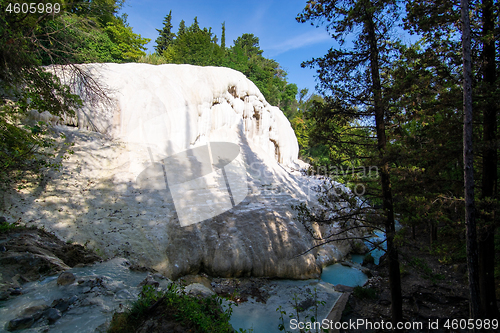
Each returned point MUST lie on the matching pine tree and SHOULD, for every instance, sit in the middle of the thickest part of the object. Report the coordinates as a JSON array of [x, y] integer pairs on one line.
[[223, 36], [166, 35], [470, 215], [182, 28], [195, 27], [341, 72]]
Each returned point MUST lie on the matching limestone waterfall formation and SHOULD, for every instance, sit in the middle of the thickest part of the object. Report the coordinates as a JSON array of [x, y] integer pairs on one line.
[[183, 169]]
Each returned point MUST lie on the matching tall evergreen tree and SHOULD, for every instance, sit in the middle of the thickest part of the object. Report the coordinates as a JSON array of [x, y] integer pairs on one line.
[[182, 28], [223, 36], [470, 214], [345, 74], [249, 43], [195, 27], [166, 35]]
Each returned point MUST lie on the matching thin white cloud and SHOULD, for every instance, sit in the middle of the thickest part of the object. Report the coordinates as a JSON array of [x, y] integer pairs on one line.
[[297, 42]]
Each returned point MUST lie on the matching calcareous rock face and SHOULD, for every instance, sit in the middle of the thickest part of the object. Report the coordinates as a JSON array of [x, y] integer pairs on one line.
[[185, 169]]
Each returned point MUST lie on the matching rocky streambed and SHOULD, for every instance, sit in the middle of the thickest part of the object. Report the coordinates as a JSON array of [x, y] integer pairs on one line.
[[48, 285]]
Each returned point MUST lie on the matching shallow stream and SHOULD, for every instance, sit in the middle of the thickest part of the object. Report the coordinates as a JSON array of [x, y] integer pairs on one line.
[[265, 319], [108, 284], [105, 287]]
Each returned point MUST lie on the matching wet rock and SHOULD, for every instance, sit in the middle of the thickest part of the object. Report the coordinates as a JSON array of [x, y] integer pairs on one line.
[[341, 288], [20, 323], [123, 294], [32, 254], [4, 295], [149, 281], [157, 281], [16, 291], [103, 328], [113, 286], [190, 279], [65, 279], [63, 304], [35, 311], [88, 281], [306, 304], [197, 289], [52, 315], [347, 263], [138, 268], [367, 272]]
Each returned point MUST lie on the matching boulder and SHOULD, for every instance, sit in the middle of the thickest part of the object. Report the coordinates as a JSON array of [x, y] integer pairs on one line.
[[35, 311], [63, 304], [52, 315], [66, 278], [20, 323], [342, 288], [197, 289]]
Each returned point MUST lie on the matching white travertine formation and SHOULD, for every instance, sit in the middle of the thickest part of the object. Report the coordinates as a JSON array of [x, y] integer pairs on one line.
[[113, 196], [176, 107]]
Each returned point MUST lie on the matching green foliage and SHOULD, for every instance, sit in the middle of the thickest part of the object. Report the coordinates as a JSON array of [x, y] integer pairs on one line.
[[25, 87], [282, 313], [83, 31], [308, 319], [198, 46], [204, 315], [427, 272], [446, 248], [422, 96], [368, 259], [6, 227], [128, 46], [365, 293], [249, 44], [166, 35], [153, 59], [89, 32]]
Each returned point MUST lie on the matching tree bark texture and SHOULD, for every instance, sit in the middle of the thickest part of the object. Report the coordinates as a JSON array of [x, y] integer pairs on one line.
[[470, 218], [392, 253]]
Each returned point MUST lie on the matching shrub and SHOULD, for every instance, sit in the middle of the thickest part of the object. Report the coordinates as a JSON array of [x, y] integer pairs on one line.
[[365, 293], [199, 314]]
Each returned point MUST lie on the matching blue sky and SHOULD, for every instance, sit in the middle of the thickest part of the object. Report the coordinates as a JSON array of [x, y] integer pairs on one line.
[[281, 37]]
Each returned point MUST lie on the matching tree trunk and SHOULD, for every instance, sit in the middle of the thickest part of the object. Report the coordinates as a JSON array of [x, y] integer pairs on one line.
[[433, 232], [470, 221], [486, 235], [392, 253]]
